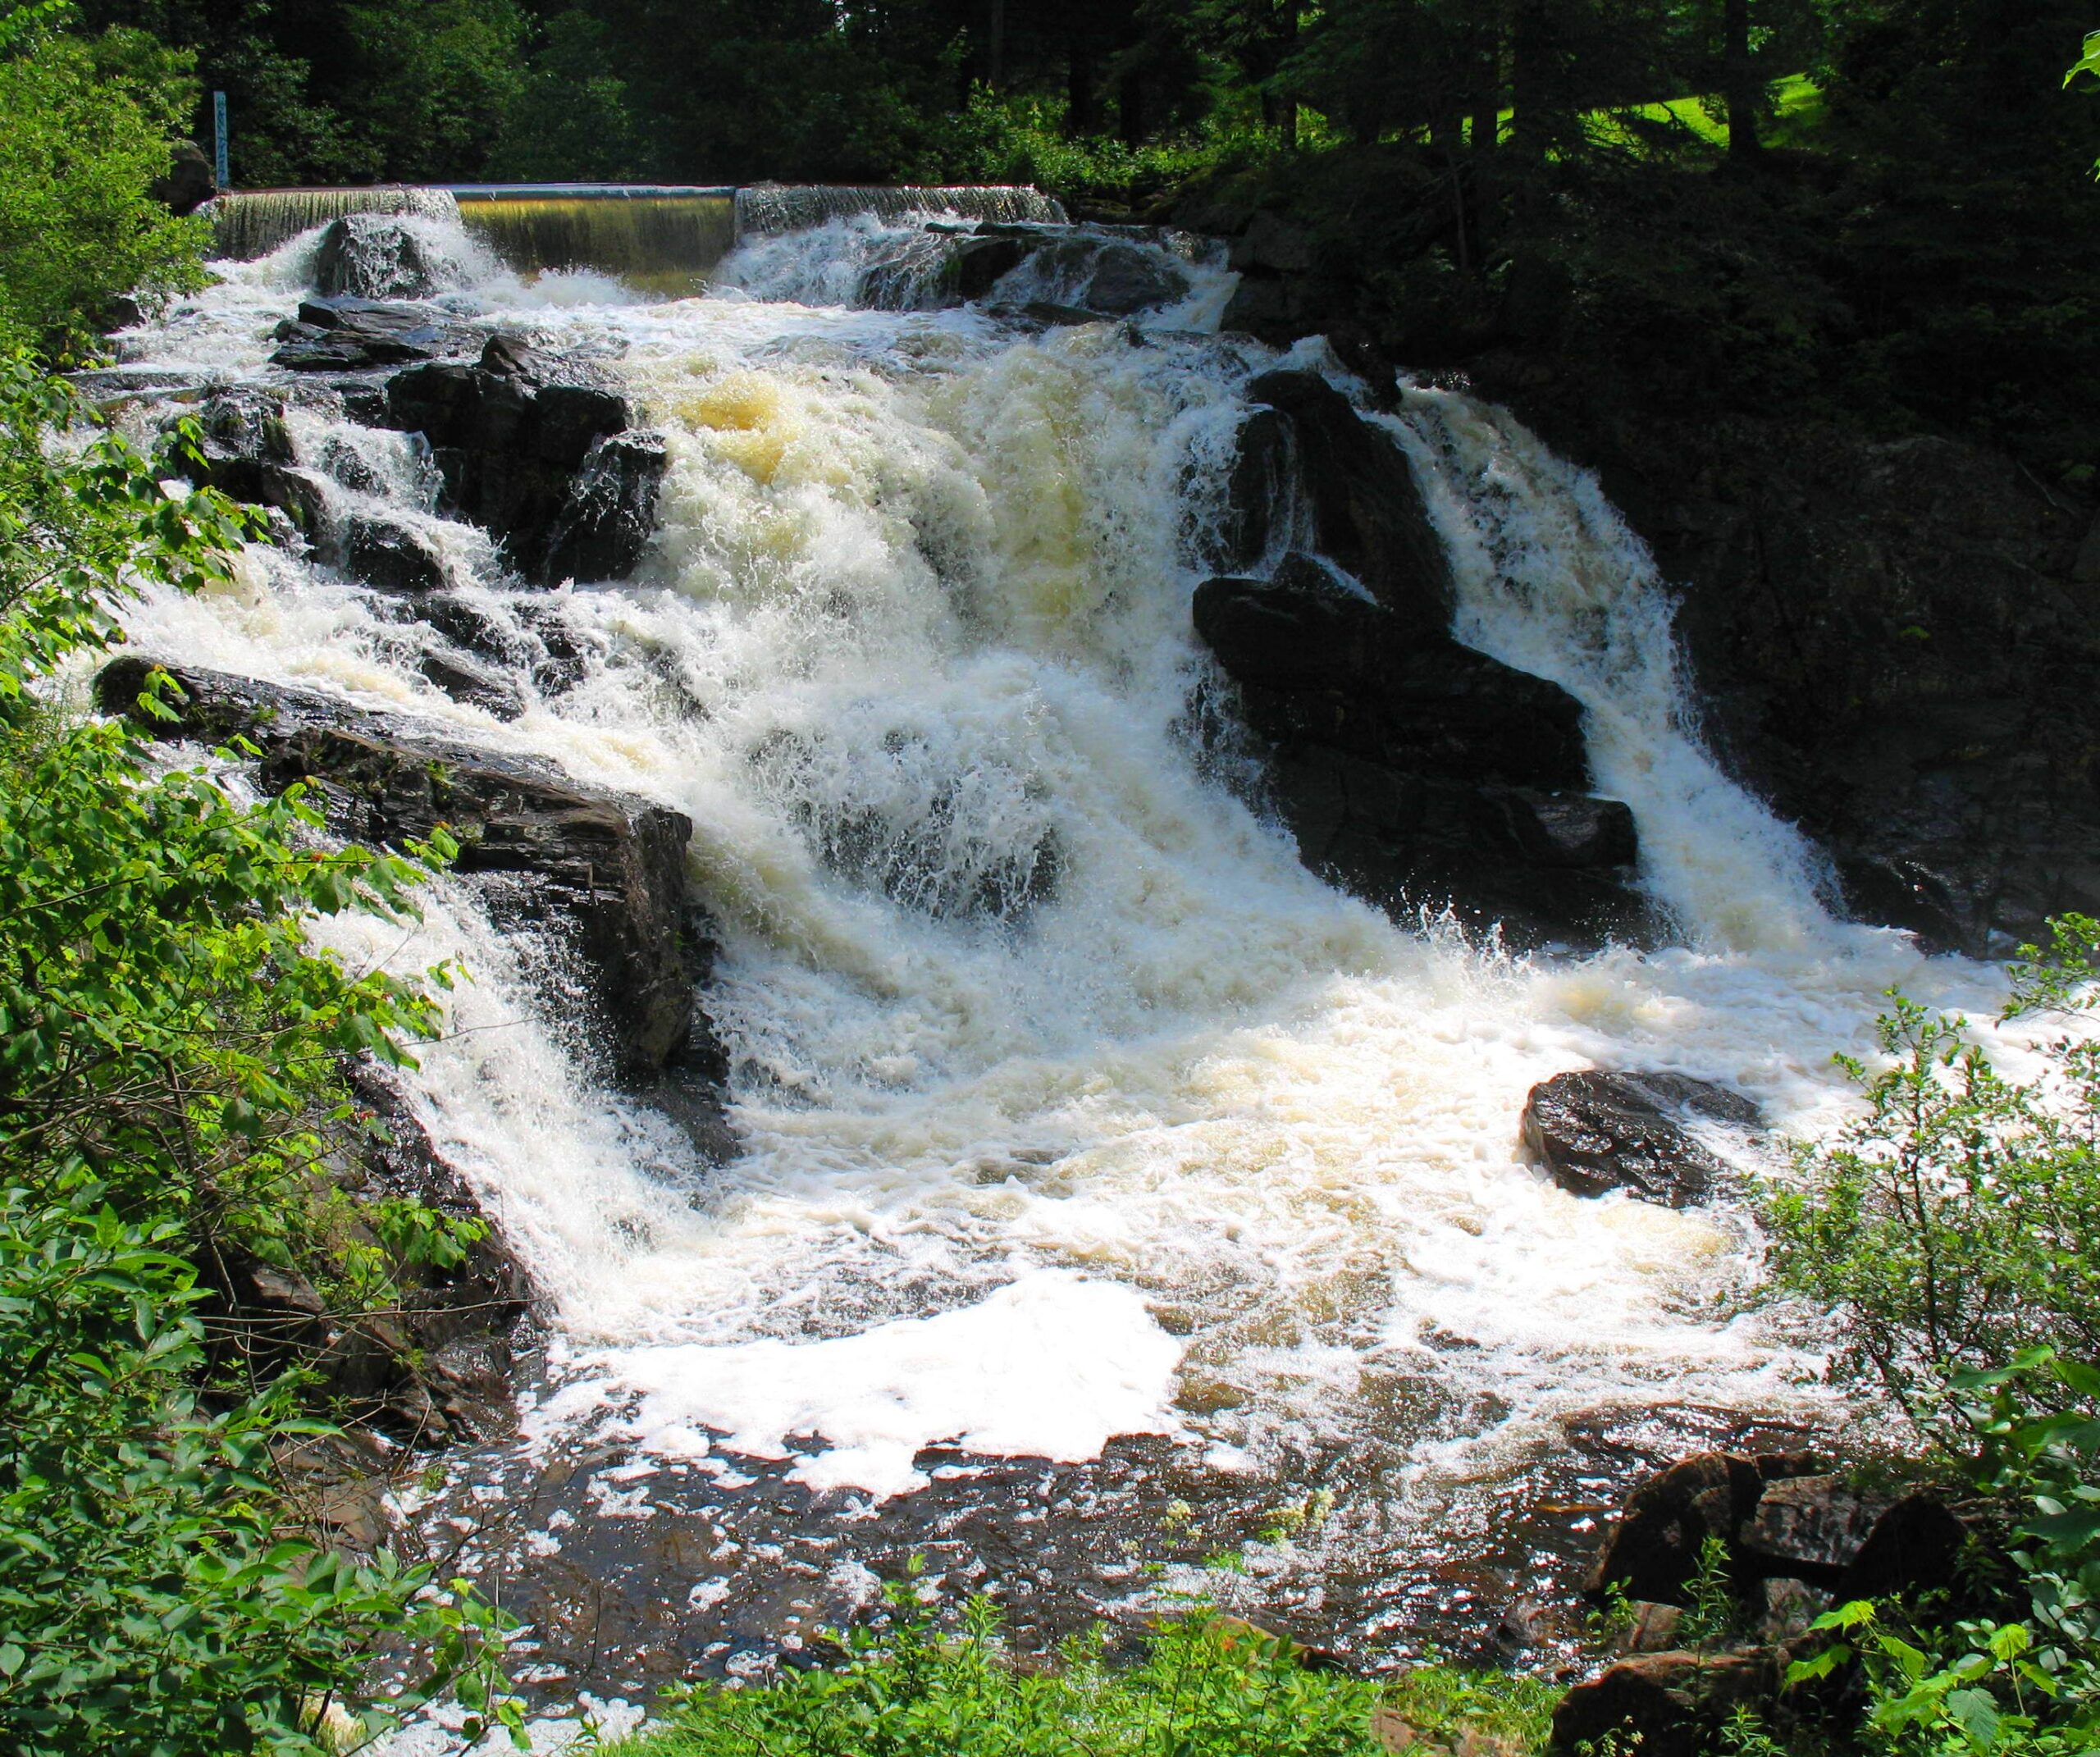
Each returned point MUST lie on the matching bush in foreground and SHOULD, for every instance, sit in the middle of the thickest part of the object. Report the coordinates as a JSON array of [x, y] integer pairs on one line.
[[1206, 1687]]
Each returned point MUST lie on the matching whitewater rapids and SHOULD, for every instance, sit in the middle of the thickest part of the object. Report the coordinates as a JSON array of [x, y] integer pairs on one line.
[[1196, 1146]]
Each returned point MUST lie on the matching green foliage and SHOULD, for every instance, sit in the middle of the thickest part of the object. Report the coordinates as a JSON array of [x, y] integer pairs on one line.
[[571, 117], [171, 1047], [1206, 1686], [89, 126], [1951, 1227], [2023, 1685], [1014, 139]]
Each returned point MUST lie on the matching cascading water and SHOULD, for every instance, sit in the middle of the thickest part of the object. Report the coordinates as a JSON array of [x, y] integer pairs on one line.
[[1072, 1106]]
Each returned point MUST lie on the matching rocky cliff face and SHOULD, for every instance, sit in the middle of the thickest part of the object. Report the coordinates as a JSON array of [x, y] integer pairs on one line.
[[1898, 642], [1896, 639]]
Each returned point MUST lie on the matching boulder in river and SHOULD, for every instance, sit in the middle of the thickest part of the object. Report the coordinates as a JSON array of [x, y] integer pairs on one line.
[[1596, 1131], [372, 256], [243, 433], [606, 872], [516, 439], [351, 334], [609, 513], [392, 555], [1368, 516], [1415, 770]]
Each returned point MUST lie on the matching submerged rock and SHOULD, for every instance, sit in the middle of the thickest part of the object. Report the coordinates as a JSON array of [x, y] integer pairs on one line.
[[606, 872], [1595, 1132], [372, 256]]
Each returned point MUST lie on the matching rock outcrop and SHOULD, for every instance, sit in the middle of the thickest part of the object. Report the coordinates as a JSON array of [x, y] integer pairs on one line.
[[1412, 769], [541, 459], [1594, 1132], [606, 874], [1663, 1704], [372, 256], [353, 335], [188, 182]]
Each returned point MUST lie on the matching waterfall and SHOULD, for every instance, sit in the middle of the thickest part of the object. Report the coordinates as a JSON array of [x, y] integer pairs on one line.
[[660, 240], [1052, 1065], [769, 207], [247, 224]]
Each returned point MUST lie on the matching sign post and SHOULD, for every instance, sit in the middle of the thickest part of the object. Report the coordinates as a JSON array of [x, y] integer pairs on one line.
[[219, 139]]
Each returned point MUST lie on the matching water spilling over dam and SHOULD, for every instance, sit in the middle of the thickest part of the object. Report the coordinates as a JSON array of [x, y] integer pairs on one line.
[[1107, 1183], [661, 238]]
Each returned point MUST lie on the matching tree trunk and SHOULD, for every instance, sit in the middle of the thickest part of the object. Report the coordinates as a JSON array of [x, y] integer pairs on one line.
[[1130, 109], [1739, 80], [995, 46]]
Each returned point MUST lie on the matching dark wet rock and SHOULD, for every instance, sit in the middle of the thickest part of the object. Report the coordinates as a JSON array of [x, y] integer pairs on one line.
[[606, 872], [1785, 1608], [1920, 1545], [242, 433], [188, 182], [1809, 1528], [1127, 279], [350, 335], [371, 256], [1416, 771], [299, 495], [611, 513], [1262, 479], [469, 626], [977, 264], [1318, 662], [389, 555], [509, 442], [472, 684], [1596, 1131], [1368, 514], [1663, 1704], [1652, 1553]]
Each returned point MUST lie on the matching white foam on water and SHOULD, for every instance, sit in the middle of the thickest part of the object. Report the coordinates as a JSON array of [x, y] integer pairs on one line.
[[1047, 1049], [1050, 1366]]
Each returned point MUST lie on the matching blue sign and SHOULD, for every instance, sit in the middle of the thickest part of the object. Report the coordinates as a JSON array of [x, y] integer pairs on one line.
[[219, 140]]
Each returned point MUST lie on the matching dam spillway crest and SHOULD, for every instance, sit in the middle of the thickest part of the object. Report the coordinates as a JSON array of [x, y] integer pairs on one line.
[[1026, 852]]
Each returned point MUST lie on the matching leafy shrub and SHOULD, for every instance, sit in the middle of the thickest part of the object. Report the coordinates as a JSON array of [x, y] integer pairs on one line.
[[1953, 1227], [2026, 1684], [1000, 138], [1208, 1687], [89, 126], [171, 1049]]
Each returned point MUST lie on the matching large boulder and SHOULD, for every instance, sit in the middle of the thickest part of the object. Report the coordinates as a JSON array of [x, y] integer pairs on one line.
[[1368, 514], [609, 513], [1414, 770], [352, 335], [188, 182], [1595, 1132], [372, 256], [511, 435], [1665, 1704], [606, 873]]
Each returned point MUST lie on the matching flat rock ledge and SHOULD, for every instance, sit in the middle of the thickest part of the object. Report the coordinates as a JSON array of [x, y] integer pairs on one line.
[[605, 873]]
